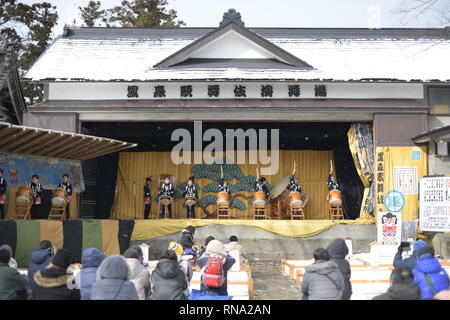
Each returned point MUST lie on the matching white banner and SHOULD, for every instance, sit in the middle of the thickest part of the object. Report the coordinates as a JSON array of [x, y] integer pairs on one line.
[[434, 204], [389, 228]]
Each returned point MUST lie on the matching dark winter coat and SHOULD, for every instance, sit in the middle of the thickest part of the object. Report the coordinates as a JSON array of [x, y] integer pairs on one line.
[[113, 281], [401, 291], [223, 290], [91, 259], [55, 283], [317, 286], [13, 285], [40, 259], [430, 266], [338, 250], [168, 281]]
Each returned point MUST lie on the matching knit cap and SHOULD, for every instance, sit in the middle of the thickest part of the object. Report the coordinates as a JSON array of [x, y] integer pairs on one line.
[[215, 247]]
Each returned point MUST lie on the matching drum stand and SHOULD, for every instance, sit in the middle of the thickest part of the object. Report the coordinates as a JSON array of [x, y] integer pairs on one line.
[[297, 213], [170, 212], [23, 211], [58, 211], [259, 212], [223, 212], [336, 212]]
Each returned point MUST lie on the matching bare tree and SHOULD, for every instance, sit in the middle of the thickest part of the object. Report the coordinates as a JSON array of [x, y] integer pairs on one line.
[[411, 10]]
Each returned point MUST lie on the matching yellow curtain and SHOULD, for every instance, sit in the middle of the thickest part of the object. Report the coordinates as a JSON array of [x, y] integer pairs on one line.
[[150, 229], [312, 171], [396, 164]]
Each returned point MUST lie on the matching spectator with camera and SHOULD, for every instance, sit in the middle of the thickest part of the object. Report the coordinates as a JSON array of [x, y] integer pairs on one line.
[[409, 262]]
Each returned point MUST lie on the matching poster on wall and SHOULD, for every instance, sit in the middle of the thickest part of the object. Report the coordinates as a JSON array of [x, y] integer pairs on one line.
[[18, 170], [434, 199], [389, 228]]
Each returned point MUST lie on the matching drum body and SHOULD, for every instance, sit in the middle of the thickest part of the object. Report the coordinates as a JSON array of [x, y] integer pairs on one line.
[[190, 201], [223, 199], [165, 200], [23, 195], [296, 199], [335, 198], [260, 199], [59, 197]]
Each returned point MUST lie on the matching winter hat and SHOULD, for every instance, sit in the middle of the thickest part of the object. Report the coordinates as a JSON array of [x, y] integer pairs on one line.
[[62, 258], [131, 253], [139, 250], [5, 253], [418, 244], [215, 247], [177, 248], [426, 252]]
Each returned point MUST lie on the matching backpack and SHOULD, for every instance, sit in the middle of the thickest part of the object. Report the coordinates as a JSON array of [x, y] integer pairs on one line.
[[213, 273]]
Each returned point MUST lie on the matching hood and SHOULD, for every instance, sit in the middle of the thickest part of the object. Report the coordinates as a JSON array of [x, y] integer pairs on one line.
[[114, 267], [428, 265], [404, 291], [53, 277], [168, 269], [419, 244], [91, 257], [39, 256], [322, 267], [135, 266], [338, 249]]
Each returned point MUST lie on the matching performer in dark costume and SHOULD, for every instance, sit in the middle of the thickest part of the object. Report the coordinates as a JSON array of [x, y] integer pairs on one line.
[[261, 185], [190, 191], [3, 187], [293, 185], [332, 184], [147, 197], [166, 190], [66, 185], [223, 186], [38, 197]]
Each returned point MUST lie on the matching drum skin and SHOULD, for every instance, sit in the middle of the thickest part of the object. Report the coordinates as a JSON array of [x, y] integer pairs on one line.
[[59, 197], [24, 195], [165, 200], [190, 201], [223, 199], [335, 198], [295, 198], [260, 198]]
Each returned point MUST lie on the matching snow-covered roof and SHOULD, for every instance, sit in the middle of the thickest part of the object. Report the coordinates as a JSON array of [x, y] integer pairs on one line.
[[129, 54]]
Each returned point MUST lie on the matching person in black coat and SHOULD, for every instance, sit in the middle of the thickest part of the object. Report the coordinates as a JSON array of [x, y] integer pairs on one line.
[[190, 191], [54, 283], [168, 280], [338, 250], [167, 189], [3, 187], [66, 185], [293, 185], [38, 197], [261, 186], [147, 197], [402, 286]]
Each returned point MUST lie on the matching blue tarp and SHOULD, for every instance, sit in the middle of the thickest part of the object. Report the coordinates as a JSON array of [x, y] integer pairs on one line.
[[200, 295]]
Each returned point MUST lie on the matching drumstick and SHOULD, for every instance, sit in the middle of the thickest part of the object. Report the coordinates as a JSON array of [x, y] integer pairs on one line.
[[257, 173], [221, 172], [331, 166], [293, 172]]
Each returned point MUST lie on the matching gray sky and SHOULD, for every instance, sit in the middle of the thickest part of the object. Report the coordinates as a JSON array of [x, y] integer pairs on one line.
[[281, 13]]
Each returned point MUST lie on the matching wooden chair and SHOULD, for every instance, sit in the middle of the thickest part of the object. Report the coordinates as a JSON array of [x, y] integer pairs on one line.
[[297, 213], [58, 211], [23, 211], [259, 212], [336, 212], [223, 212]]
